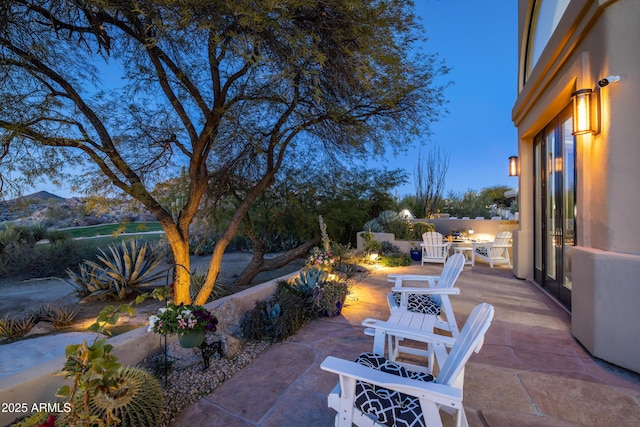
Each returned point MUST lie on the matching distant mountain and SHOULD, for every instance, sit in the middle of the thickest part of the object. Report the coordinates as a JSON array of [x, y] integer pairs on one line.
[[44, 196], [25, 206]]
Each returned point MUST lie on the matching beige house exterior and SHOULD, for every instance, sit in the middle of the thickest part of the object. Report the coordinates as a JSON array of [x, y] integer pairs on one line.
[[579, 194]]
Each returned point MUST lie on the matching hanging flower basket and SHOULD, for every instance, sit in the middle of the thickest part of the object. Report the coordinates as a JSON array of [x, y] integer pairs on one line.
[[189, 321], [191, 339]]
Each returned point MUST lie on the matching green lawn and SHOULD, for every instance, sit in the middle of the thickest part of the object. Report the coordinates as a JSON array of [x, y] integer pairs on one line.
[[113, 229], [104, 241]]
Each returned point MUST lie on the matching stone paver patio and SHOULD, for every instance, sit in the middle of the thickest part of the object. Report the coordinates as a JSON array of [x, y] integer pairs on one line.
[[530, 372]]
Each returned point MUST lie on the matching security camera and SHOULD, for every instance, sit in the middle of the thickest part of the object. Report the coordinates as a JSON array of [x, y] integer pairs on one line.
[[608, 80]]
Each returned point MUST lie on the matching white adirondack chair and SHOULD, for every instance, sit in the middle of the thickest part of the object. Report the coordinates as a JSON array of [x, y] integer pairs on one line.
[[413, 284], [421, 302], [496, 252], [423, 400], [433, 248]]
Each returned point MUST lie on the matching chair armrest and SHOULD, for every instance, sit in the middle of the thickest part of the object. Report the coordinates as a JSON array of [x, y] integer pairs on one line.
[[398, 278], [447, 244], [416, 277], [481, 244], [410, 333], [428, 291], [430, 391], [501, 246]]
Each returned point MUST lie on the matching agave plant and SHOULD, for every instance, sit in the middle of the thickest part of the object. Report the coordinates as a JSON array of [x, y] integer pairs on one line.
[[12, 327], [310, 279], [124, 270], [90, 282], [59, 316]]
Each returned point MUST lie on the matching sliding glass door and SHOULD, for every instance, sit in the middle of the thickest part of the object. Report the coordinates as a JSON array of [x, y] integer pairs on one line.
[[554, 207]]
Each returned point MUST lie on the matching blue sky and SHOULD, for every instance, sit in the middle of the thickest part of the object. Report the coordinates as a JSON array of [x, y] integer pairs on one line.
[[478, 40], [479, 43]]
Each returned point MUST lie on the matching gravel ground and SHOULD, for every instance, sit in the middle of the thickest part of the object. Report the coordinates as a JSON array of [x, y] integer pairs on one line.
[[186, 381]]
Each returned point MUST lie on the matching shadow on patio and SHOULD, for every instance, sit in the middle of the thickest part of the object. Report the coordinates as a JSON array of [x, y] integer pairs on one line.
[[530, 372]]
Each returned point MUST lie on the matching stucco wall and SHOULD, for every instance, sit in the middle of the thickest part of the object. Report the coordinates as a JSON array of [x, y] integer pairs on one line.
[[605, 296], [591, 42], [482, 230]]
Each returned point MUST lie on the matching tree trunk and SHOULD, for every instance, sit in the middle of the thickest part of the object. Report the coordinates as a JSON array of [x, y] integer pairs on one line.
[[182, 274], [259, 264], [182, 265]]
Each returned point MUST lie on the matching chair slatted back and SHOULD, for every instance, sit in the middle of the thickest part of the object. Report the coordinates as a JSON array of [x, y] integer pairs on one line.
[[452, 269], [470, 339], [432, 244], [500, 243]]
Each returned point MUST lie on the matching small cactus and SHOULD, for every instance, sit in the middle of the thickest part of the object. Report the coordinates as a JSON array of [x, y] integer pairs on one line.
[[136, 399]]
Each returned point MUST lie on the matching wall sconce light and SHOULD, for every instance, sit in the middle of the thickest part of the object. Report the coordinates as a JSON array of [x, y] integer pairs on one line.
[[470, 231], [513, 166], [583, 106]]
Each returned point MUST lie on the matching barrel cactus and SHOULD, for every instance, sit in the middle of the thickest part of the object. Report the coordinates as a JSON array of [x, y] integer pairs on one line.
[[136, 400]]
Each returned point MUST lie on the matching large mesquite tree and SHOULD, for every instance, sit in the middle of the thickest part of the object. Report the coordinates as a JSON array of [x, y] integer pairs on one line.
[[128, 91]]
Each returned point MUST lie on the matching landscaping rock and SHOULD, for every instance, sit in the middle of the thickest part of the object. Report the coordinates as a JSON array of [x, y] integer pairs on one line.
[[229, 317], [41, 328], [231, 346]]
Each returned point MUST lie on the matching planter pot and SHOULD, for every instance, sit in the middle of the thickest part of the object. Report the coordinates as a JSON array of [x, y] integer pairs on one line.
[[337, 311], [191, 339], [415, 254]]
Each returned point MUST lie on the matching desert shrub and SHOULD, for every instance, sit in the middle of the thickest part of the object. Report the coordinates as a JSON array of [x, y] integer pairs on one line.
[[296, 309], [370, 244], [389, 248], [263, 321], [400, 228], [20, 253], [391, 222], [373, 226], [220, 290], [162, 250], [56, 237], [348, 269], [388, 217], [395, 260], [294, 304], [419, 228], [202, 244]]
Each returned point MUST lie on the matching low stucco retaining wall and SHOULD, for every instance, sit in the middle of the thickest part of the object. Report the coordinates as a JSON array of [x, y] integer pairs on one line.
[[482, 230], [604, 305], [38, 384]]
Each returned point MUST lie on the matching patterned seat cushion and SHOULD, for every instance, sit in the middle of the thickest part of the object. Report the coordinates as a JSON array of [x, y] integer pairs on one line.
[[482, 250], [389, 407], [421, 303]]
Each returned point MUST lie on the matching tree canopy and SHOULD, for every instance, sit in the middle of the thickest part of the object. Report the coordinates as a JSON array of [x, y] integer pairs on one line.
[[209, 85]]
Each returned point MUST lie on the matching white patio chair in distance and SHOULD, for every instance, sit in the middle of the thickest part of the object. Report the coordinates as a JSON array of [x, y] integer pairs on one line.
[[496, 252], [434, 249]]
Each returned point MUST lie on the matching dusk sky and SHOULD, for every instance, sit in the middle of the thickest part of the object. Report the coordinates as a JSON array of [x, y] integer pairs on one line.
[[479, 43], [478, 40]]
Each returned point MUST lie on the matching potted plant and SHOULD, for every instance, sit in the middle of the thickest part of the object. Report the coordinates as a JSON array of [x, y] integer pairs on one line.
[[189, 321], [415, 252], [330, 297]]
